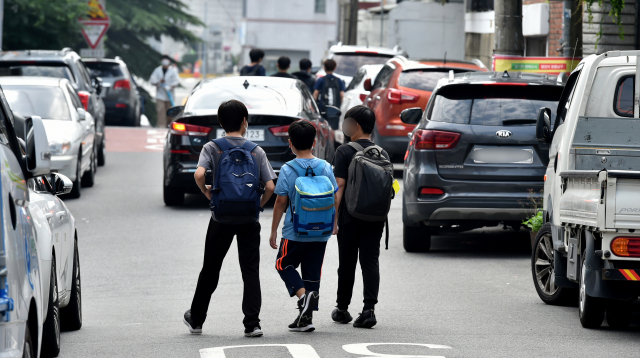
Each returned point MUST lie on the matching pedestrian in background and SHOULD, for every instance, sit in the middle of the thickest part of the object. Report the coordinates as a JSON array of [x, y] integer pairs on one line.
[[329, 91], [356, 237], [283, 66], [303, 243], [233, 117], [255, 68], [165, 78], [305, 75]]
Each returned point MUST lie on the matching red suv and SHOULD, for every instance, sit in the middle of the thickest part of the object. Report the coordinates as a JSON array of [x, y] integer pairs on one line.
[[403, 84]]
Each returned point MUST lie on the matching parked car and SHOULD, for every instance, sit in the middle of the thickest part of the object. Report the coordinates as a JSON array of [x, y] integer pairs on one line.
[[62, 64], [70, 129], [350, 58], [473, 159], [403, 84], [355, 94], [273, 104], [119, 91]]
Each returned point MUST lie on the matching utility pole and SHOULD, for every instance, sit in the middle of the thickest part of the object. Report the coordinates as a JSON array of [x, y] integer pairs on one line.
[[1, 21], [508, 31], [352, 29], [572, 28], [382, 3]]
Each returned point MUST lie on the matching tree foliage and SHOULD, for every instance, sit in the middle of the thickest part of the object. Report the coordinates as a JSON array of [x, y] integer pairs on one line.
[[616, 14]]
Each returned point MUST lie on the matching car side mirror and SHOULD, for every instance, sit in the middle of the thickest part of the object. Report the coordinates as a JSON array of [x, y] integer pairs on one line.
[[411, 115], [175, 111], [96, 82], [367, 84], [543, 125], [332, 111], [82, 114], [38, 158], [61, 184]]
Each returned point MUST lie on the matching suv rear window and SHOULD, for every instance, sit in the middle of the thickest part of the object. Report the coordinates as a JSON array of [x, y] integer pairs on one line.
[[105, 69], [623, 102], [424, 80], [494, 105], [45, 70], [349, 63]]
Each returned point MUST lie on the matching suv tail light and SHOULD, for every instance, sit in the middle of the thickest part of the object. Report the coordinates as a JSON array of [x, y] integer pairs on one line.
[[282, 131], [429, 139], [430, 193], [626, 246], [396, 96], [84, 98], [122, 84], [178, 128]]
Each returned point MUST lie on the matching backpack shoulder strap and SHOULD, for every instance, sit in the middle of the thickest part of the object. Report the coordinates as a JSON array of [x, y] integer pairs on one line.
[[249, 146], [222, 143], [295, 166], [356, 146]]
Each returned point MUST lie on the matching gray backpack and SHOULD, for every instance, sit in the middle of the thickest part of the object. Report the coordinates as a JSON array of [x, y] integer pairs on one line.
[[370, 188]]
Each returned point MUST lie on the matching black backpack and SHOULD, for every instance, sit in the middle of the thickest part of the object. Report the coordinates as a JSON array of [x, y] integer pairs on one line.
[[370, 190], [245, 71], [330, 95]]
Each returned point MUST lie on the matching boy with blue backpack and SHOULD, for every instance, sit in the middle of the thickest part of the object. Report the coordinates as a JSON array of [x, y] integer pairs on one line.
[[243, 184], [306, 187]]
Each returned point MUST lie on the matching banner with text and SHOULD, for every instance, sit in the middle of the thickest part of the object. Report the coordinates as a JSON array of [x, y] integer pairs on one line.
[[550, 65]]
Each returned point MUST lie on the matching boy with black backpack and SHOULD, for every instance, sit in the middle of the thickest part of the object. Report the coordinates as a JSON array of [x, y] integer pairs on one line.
[[255, 68], [365, 189], [329, 91], [306, 187], [243, 184]]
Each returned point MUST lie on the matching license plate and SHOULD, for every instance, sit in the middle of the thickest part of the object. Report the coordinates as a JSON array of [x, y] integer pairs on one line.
[[502, 156], [254, 135]]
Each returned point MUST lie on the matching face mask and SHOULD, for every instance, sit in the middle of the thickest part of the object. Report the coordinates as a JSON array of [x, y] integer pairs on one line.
[[165, 62], [349, 128]]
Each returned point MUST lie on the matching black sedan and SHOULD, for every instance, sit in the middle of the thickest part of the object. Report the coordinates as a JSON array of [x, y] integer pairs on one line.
[[273, 104]]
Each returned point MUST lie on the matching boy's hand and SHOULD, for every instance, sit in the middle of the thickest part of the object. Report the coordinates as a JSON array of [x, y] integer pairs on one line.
[[207, 193], [272, 240], [335, 228]]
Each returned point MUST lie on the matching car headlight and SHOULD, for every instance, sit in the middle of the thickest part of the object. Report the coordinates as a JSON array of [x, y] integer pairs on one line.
[[59, 147]]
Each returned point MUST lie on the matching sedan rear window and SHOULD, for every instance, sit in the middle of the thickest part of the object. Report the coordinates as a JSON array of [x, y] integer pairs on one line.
[[421, 79], [18, 69], [46, 102], [105, 69], [349, 63], [254, 97]]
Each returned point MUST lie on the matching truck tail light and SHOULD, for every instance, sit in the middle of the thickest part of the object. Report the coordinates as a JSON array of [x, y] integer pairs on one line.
[[178, 128], [396, 96], [626, 246], [282, 131], [430, 139], [84, 98], [122, 84]]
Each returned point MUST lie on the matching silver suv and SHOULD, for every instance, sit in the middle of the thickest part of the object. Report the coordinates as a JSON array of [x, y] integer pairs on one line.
[[473, 159]]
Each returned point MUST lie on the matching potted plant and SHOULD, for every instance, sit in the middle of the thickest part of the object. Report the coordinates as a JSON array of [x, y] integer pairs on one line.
[[535, 220]]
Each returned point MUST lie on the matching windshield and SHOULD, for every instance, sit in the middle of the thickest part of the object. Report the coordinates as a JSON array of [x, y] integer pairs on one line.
[[349, 63], [254, 97], [425, 80], [105, 69], [46, 70], [46, 102]]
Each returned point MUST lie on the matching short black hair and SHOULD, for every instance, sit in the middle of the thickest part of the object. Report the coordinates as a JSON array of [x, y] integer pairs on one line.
[[364, 116], [302, 134], [305, 64], [256, 54], [165, 56], [330, 65], [284, 62], [231, 113]]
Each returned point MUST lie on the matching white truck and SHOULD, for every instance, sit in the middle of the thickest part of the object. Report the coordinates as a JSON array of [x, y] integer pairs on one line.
[[589, 246]]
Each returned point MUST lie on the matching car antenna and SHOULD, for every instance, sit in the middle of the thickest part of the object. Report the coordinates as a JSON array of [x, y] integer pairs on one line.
[[246, 84], [445, 57]]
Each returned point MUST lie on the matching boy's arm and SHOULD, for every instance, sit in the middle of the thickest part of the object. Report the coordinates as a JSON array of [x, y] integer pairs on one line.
[[278, 210], [315, 94], [269, 188], [341, 182], [341, 95], [199, 176]]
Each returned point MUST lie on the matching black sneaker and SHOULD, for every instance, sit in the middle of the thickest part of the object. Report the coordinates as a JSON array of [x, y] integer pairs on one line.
[[341, 316], [367, 319], [189, 322], [304, 326], [253, 332], [306, 305]]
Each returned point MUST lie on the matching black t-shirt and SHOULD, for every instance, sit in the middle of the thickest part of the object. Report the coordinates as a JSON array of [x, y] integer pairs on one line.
[[341, 162], [283, 74]]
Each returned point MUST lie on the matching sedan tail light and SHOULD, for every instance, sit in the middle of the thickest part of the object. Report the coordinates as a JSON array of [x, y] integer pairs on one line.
[[363, 96], [178, 128], [122, 84], [282, 131], [430, 139], [396, 96], [84, 98], [626, 246]]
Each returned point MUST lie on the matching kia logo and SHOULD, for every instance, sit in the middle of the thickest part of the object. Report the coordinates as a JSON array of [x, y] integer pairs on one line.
[[503, 133]]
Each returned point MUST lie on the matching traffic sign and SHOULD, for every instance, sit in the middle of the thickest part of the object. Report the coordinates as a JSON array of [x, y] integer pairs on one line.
[[95, 23]]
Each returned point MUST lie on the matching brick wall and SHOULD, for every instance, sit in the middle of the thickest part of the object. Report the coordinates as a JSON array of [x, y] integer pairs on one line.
[[555, 28]]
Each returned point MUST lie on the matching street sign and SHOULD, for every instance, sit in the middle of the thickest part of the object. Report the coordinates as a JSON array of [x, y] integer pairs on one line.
[[550, 65], [95, 23], [89, 52]]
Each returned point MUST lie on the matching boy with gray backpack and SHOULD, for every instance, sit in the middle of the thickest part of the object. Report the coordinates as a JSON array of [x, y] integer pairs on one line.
[[305, 189], [364, 175]]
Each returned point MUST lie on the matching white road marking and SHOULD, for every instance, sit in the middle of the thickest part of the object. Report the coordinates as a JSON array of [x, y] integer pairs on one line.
[[363, 348], [155, 139], [296, 350]]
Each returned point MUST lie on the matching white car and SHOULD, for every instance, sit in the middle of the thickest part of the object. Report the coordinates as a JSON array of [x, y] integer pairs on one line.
[[350, 58], [70, 128], [355, 94]]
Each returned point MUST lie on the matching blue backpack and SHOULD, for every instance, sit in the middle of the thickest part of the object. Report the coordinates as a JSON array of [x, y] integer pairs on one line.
[[313, 209], [236, 191]]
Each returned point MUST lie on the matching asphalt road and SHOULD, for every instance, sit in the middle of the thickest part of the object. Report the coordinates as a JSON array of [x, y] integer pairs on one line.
[[471, 296]]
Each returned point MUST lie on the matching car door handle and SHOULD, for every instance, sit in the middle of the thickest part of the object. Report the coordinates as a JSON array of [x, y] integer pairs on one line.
[[378, 97], [48, 215], [61, 214], [369, 99]]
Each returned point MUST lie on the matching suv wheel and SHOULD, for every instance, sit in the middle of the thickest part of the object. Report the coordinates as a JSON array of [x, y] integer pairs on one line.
[[89, 175], [101, 153], [172, 196], [416, 239], [543, 271]]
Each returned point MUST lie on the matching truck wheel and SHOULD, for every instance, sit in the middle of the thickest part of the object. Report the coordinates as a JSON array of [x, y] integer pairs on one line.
[[590, 309], [543, 271], [416, 239], [619, 313], [72, 314], [172, 197], [51, 326], [28, 350]]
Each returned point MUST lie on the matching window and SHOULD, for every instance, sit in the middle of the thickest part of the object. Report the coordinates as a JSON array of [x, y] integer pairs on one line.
[[383, 77], [74, 97], [349, 63], [420, 79], [46, 102], [479, 5], [356, 79], [321, 6], [84, 73], [44, 70], [105, 69], [623, 100]]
